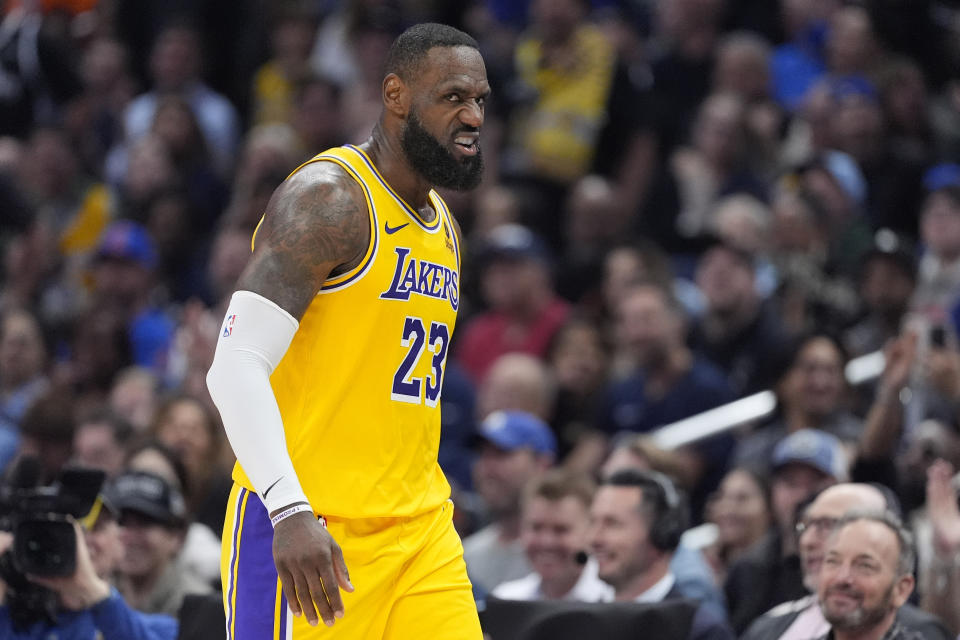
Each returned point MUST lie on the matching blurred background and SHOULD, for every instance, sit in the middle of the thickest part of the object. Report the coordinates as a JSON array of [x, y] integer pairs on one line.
[[685, 203]]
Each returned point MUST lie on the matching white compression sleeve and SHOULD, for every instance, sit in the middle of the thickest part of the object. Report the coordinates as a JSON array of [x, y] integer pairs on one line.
[[253, 339]]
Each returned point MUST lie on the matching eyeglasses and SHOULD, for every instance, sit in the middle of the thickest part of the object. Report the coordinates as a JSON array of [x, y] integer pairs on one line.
[[822, 525]]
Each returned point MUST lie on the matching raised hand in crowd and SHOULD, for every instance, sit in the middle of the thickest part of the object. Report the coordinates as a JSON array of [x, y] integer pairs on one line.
[[943, 593]]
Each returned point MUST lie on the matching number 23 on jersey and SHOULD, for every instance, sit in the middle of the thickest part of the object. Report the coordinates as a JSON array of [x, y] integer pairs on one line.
[[416, 337]]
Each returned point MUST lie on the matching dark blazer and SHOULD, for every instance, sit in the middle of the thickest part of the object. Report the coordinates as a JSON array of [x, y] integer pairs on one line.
[[760, 580]]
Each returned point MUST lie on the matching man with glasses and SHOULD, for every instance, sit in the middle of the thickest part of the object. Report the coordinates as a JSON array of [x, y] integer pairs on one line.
[[803, 619]]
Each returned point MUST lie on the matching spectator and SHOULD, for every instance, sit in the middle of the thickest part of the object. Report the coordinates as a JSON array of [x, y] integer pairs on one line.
[[318, 115], [743, 515], [743, 221], [133, 396], [811, 394], [22, 379], [516, 447], [628, 265], [553, 528], [193, 431], [888, 276], [594, 223], [579, 359], [866, 577], [811, 296], [517, 381], [903, 92], [87, 605], [670, 383], [857, 128], [938, 286], [738, 331], [743, 68], [100, 442], [124, 279], [270, 153], [636, 521], [291, 37], [610, 136], [74, 207], [769, 573], [683, 63], [899, 443], [141, 173], [199, 555], [798, 63], [851, 46], [713, 165], [691, 572], [108, 86], [524, 312], [804, 617], [175, 64], [205, 192], [152, 526], [98, 349], [836, 182]]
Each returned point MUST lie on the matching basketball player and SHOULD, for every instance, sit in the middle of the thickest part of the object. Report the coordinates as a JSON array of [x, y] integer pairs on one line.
[[329, 366]]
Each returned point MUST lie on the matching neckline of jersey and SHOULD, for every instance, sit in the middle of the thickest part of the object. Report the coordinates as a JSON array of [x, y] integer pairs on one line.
[[427, 226]]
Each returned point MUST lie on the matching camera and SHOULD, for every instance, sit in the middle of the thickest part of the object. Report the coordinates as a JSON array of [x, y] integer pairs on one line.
[[44, 539]]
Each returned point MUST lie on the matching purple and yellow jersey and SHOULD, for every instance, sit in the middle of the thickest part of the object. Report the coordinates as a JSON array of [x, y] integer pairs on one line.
[[359, 387]]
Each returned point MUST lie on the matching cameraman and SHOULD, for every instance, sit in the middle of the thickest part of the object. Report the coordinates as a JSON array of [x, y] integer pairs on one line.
[[89, 608]]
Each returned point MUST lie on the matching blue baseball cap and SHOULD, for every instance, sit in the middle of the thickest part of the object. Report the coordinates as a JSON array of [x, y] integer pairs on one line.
[[126, 240], [511, 430], [942, 175], [818, 449]]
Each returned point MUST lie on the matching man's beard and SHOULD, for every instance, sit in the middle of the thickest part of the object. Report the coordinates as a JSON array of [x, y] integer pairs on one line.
[[435, 163], [859, 618]]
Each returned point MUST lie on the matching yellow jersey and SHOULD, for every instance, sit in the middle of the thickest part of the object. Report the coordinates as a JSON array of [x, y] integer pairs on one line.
[[359, 387]]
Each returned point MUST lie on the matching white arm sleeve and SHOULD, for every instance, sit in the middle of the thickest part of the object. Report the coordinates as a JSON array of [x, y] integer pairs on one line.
[[253, 339]]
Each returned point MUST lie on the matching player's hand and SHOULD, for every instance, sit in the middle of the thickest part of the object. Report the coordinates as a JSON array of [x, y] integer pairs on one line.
[[311, 568]]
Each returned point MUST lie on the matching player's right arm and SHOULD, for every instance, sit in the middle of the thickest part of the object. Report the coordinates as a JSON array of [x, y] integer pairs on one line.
[[315, 225]]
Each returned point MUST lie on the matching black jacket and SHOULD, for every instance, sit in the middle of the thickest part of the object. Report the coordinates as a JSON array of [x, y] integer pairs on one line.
[[760, 580]]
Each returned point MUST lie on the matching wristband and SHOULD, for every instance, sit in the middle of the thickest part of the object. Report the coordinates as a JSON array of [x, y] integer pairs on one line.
[[286, 513]]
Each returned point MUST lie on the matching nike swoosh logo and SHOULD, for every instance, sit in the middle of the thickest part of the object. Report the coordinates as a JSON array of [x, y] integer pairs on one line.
[[391, 230], [267, 490]]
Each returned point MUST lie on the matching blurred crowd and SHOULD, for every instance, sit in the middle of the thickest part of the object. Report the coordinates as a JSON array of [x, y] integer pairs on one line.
[[685, 202]]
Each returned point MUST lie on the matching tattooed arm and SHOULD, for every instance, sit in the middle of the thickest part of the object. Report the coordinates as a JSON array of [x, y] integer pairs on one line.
[[316, 224]]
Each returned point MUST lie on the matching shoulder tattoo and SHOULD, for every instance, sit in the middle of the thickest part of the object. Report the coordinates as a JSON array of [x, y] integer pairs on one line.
[[316, 223]]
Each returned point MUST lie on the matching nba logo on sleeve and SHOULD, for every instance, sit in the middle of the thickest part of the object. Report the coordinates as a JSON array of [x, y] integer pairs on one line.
[[228, 326]]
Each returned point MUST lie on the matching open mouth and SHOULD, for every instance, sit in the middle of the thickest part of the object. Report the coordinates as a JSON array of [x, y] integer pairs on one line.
[[467, 144]]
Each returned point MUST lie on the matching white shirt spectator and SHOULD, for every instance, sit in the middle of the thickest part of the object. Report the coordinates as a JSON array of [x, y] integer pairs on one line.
[[588, 588]]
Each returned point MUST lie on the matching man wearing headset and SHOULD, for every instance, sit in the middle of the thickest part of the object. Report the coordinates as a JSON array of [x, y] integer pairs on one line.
[[636, 521]]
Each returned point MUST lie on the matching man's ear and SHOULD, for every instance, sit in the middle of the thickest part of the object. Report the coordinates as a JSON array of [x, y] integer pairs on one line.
[[903, 587], [396, 95]]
